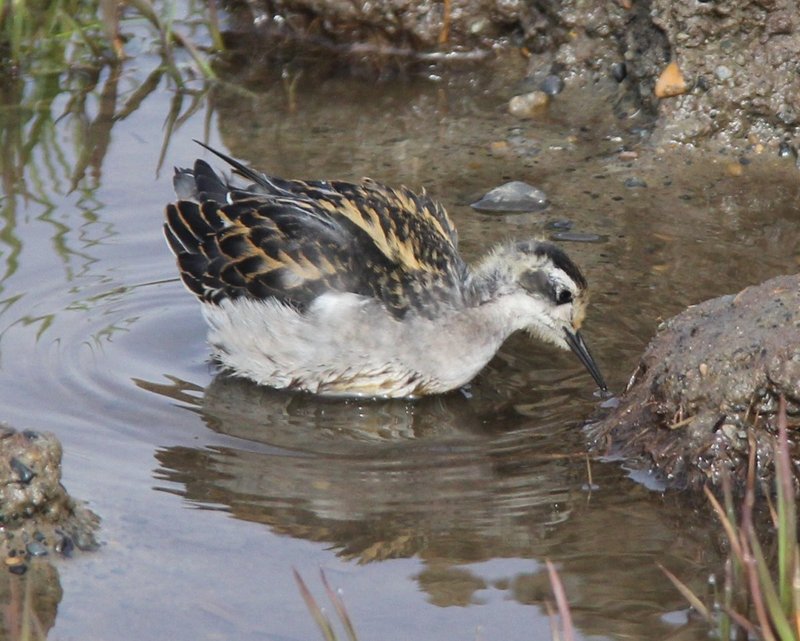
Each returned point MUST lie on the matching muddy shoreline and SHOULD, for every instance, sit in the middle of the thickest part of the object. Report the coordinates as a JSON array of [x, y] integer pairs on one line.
[[733, 66]]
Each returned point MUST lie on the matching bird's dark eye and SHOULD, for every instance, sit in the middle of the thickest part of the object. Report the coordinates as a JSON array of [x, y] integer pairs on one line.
[[563, 297]]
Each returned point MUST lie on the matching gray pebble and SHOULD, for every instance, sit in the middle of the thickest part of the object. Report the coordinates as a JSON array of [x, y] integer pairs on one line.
[[722, 72], [515, 196], [634, 182], [619, 71], [610, 403], [578, 237], [552, 85], [35, 548], [785, 150], [24, 473]]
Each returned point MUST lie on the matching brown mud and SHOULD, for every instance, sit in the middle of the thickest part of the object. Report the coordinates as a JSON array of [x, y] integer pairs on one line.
[[38, 518], [706, 391], [736, 61]]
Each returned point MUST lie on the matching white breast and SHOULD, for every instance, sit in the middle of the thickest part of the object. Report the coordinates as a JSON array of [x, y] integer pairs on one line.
[[346, 344]]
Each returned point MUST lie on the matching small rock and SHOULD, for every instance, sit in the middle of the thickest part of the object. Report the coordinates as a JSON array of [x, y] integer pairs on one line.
[[35, 548], [779, 22], [671, 82], [65, 546], [552, 85], [619, 71], [515, 196], [635, 183], [610, 403], [729, 431], [785, 150], [528, 105], [722, 72], [24, 473], [703, 369], [734, 169], [578, 237], [561, 224], [499, 148]]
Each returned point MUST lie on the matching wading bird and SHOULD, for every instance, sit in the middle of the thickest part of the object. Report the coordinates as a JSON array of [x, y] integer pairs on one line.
[[347, 289]]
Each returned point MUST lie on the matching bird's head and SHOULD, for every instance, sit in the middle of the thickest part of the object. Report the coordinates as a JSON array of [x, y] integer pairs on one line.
[[543, 292]]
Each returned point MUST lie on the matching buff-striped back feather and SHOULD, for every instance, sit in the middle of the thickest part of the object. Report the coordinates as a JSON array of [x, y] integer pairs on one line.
[[294, 240]]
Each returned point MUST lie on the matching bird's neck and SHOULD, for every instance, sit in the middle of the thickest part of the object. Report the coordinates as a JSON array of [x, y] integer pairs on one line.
[[487, 282]]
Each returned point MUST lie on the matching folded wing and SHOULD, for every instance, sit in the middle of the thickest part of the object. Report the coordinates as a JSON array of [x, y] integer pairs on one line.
[[294, 240]]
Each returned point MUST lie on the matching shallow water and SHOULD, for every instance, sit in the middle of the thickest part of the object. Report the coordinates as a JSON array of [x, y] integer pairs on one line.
[[434, 518]]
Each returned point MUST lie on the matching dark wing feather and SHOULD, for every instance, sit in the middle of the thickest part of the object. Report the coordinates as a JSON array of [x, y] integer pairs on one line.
[[295, 240]]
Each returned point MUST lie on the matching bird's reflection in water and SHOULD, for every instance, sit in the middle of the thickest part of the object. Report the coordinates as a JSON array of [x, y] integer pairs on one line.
[[396, 479], [374, 478]]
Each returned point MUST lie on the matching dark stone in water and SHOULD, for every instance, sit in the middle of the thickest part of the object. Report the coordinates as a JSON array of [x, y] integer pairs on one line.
[[578, 237], [65, 546], [552, 85], [515, 196], [619, 71], [610, 403], [634, 182], [35, 548], [20, 569], [785, 150]]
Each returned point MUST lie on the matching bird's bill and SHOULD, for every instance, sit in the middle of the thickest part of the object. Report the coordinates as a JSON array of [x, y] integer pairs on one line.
[[577, 345]]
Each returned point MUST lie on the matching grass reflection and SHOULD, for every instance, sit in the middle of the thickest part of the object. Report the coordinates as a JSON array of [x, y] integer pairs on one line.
[[70, 70]]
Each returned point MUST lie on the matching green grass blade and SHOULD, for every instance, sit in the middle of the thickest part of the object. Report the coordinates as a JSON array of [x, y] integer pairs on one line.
[[777, 617], [787, 513]]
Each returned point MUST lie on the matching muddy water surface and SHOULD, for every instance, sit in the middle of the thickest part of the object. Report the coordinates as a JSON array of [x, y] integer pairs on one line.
[[435, 517]]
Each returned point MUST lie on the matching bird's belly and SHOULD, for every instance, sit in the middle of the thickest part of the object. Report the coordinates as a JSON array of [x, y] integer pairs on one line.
[[346, 346]]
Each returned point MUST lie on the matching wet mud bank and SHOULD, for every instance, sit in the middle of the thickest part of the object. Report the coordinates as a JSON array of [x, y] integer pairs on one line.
[[706, 391], [38, 519], [701, 70]]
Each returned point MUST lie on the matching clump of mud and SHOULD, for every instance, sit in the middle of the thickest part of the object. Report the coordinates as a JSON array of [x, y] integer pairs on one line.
[[706, 389], [37, 516]]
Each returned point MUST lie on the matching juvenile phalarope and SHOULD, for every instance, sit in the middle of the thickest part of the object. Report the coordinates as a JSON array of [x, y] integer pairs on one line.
[[350, 289]]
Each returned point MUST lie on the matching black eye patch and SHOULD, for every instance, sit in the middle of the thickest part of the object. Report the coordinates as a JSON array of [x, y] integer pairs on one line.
[[535, 281]]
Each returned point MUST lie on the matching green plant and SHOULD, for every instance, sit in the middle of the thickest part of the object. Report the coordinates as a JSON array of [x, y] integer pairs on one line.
[[758, 599]]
